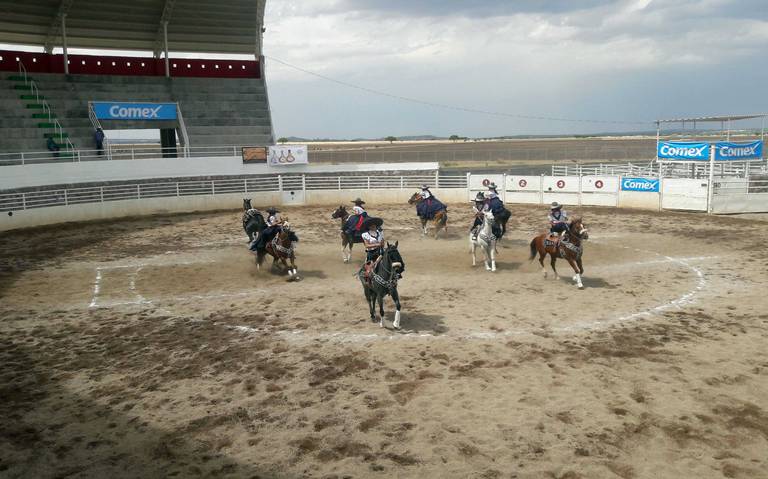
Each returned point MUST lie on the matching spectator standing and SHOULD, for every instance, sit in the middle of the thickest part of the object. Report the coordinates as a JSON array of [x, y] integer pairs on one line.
[[98, 137]]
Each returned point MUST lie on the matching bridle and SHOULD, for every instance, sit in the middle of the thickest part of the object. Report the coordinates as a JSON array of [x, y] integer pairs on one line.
[[391, 282]]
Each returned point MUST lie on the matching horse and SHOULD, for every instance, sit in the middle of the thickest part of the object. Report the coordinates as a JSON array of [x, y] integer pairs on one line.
[[486, 241], [253, 221], [283, 250], [347, 241], [440, 220], [569, 247], [383, 282]]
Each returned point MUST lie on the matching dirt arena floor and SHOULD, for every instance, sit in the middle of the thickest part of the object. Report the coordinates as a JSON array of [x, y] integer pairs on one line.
[[153, 348]]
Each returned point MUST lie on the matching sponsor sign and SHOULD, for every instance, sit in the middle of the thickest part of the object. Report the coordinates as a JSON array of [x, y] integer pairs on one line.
[[285, 155], [107, 110], [728, 151], [649, 185], [683, 150], [254, 154]]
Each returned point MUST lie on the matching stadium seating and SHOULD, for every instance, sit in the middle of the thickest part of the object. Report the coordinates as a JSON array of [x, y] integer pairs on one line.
[[217, 111]]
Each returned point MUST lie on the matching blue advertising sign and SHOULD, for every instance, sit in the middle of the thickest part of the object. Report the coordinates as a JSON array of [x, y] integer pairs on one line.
[[134, 111], [727, 151], [683, 150], [649, 185]]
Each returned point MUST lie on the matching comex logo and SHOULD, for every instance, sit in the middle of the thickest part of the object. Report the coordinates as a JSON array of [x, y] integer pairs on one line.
[[636, 184], [116, 111], [683, 151], [738, 151]]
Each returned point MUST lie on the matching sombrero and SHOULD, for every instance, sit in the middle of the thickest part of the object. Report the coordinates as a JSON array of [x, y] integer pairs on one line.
[[272, 209], [371, 221], [425, 187], [492, 186], [479, 196], [358, 201], [555, 205]]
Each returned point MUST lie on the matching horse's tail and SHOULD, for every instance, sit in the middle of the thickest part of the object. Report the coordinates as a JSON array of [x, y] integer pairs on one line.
[[533, 250]]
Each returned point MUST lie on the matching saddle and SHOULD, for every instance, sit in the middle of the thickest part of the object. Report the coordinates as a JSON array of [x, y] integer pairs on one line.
[[368, 268], [551, 240]]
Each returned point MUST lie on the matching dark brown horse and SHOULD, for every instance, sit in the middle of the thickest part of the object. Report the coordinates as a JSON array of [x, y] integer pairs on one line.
[[347, 241], [569, 247], [282, 250], [439, 221]]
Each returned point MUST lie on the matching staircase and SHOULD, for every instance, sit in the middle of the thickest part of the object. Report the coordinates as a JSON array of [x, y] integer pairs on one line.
[[29, 121]]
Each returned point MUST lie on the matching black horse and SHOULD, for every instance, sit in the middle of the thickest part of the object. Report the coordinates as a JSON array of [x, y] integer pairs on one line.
[[253, 221], [383, 282], [502, 219]]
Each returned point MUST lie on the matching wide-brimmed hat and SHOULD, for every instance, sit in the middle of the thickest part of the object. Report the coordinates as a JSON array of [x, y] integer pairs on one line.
[[425, 187], [555, 206], [480, 196], [272, 209], [378, 222], [358, 201], [492, 186]]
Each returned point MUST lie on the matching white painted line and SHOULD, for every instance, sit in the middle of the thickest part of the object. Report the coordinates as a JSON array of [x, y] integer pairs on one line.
[[96, 288]]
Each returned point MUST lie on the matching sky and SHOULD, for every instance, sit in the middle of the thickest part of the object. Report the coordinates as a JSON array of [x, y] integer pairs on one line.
[[618, 63]]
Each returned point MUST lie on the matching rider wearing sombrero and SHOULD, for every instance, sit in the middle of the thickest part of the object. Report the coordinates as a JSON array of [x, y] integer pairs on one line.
[[355, 220], [478, 209], [558, 219], [430, 205], [274, 224], [496, 206]]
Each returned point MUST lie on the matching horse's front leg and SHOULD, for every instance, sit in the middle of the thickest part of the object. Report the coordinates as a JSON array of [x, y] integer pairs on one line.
[[542, 255], [381, 309], [581, 267], [472, 249], [423, 226], [487, 256], [293, 267], [371, 298], [493, 256], [577, 270], [396, 299], [552, 260]]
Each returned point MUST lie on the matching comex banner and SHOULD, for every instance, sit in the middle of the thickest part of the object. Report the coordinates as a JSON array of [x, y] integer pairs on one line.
[[649, 185], [284, 155], [699, 151], [727, 151], [134, 111]]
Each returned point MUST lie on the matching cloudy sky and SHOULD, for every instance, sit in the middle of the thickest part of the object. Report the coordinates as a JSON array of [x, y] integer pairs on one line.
[[609, 60]]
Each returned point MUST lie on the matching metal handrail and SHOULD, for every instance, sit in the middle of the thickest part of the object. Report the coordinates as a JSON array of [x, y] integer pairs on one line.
[[97, 126], [275, 182], [58, 130]]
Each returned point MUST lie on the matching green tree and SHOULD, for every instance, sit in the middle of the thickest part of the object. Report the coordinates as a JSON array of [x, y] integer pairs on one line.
[[390, 139], [454, 138], [282, 140]]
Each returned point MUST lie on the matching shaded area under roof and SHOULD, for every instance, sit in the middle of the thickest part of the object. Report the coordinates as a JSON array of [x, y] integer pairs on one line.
[[231, 26]]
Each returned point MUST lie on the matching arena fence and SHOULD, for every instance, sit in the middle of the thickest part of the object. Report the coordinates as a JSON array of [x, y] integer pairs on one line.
[[289, 184]]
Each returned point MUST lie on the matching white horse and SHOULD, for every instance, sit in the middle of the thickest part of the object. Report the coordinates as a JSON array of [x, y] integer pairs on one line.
[[485, 241]]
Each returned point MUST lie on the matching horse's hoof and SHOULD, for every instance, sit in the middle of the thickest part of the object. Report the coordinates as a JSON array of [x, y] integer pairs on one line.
[[381, 323], [581, 286]]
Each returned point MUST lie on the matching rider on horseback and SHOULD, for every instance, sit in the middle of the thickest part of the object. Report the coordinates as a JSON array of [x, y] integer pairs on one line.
[[355, 221], [274, 225], [425, 193], [558, 220], [373, 239], [496, 206], [478, 209]]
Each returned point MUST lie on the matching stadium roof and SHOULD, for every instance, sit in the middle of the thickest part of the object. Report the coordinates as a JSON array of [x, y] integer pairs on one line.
[[714, 118], [230, 26]]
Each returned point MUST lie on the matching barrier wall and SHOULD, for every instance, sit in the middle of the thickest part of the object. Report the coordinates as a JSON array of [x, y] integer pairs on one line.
[[227, 201], [67, 173]]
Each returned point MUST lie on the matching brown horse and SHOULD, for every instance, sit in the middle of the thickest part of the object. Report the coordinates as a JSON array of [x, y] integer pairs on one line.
[[282, 250], [347, 241], [439, 221], [568, 247]]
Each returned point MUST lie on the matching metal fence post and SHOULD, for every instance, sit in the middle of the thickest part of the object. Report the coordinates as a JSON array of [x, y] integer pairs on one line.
[[402, 182], [437, 178], [138, 191], [23, 201], [177, 189], [339, 178], [22, 158], [213, 187], [304, 183], [280, 183], [66, 199], [245, 185], [101, 194], [369, 182]]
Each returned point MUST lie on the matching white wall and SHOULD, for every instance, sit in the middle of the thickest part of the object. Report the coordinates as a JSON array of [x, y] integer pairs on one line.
[[232, 201], [23, 176]]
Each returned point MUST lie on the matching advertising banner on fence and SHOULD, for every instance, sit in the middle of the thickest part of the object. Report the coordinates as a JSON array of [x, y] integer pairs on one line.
[[683, 150], [648, 185], [728, 151], [108, 110], [285, 155]]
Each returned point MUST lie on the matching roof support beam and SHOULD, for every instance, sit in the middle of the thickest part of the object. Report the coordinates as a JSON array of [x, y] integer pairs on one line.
[[161, 39], [55, 26]]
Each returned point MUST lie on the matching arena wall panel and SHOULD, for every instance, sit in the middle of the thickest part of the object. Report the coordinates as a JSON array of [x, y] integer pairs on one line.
[[639, 200]]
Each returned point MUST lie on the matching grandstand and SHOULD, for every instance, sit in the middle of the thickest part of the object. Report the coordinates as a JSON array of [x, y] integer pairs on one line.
[[222, 102]]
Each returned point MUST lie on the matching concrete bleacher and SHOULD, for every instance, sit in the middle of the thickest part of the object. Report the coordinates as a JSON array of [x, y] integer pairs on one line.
[[216, 111]]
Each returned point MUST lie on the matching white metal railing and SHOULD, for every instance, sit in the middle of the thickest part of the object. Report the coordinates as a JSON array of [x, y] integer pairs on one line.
[[58, 131], [97, 126], [740, 186], [254, 184], [183, 132]]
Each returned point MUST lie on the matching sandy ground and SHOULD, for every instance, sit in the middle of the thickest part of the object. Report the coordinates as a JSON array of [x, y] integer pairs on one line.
[[153, 348]]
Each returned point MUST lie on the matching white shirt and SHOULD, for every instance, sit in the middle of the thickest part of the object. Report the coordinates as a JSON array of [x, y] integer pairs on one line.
[[562, 218], [272, 220], [358, 210], [425, 194], [491, 195], [377, 237]]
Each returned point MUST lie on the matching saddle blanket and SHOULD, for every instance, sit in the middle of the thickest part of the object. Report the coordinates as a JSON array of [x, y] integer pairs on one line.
[[429, 208]]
